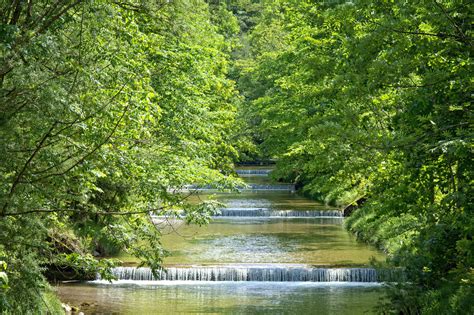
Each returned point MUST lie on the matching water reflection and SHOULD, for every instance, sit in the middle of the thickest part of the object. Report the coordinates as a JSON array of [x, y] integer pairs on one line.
[[250, 240], [274, 200], [223, 298], [316, 241]]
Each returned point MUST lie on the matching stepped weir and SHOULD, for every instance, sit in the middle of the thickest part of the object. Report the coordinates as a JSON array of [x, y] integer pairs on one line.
[[263, 213], [243, 212], [256, 172], [268, 244], [256, 187], [254, 273]]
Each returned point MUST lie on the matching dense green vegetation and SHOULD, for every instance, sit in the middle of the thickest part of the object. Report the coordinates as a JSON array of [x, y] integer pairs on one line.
[[106, 107], [371, 100]]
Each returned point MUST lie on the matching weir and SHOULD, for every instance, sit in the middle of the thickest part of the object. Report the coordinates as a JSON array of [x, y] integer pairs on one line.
[[267, 237], [269, 187], [256, 172], [245, 212], [255, 273], [260, 213], [285, 187]]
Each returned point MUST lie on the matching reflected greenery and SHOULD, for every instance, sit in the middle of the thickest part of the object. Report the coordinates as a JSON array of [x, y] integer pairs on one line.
[[309, 241], [223, 298]]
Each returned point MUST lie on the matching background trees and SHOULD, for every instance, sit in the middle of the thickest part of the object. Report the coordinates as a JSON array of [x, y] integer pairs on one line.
[[371, 99], [105, 107]]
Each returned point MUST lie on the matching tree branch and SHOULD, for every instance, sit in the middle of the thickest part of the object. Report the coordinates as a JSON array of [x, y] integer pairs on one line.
[[25, 166], [54, 18], [458, 29], [97, 147], [14, 214], [145, 211], [16, 13], [418, 33]]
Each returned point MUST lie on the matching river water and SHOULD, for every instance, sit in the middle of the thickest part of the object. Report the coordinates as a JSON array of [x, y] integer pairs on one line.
[[266, 235]]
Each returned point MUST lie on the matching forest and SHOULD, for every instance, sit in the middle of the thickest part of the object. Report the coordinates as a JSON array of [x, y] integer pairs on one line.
[[107, 108]]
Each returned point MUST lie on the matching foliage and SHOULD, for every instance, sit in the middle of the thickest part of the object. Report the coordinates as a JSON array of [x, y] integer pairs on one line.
[[372, 99]]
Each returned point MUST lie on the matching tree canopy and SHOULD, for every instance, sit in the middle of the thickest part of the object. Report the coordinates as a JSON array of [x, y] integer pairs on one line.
[[107, 108], [371, 100]]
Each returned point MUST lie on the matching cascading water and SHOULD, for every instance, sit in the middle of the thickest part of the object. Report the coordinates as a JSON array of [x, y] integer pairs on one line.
[[254, 273], [268, 187], [267, 227], [256, 172], [243, 212], [260, 212], [275, 187]]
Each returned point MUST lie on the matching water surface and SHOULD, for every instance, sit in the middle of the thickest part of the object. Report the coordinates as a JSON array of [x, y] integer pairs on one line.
[[315, 241], [274, 200], [223, 298], [256, 241]]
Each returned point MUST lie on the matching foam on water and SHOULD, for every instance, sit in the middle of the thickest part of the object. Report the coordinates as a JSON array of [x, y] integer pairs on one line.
[[258, 212], [252, 273], [194, 283]]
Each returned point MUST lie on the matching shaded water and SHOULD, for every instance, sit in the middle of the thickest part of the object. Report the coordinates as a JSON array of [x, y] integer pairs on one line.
[[223, 298]]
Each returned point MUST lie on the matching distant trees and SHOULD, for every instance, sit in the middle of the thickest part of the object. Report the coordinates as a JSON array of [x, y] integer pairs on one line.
[[373, 99], [104, 107]]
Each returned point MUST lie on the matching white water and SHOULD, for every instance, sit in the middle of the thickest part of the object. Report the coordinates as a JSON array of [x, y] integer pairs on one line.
[[289, 187], [252, 273], [293, 284], [256, 187], [258, 212], [255, 172]]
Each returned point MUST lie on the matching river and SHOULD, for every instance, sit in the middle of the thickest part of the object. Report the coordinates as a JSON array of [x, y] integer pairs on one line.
[[271, 251]]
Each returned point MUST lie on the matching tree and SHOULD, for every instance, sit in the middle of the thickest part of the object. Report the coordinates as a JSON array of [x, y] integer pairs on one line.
[[371, 99], [106, 108]]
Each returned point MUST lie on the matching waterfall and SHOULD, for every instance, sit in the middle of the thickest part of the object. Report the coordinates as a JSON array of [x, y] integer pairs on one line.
[[253, 172], [269, 187], [285, 187], [254, 273], [260, 212], [243, 212]]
